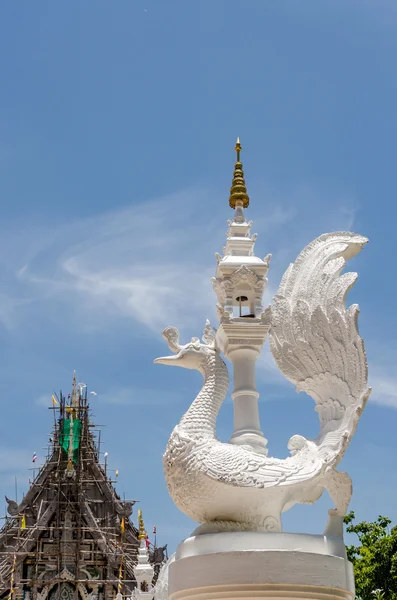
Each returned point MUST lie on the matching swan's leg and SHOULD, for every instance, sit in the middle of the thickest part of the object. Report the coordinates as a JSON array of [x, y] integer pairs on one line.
[[339, 486]]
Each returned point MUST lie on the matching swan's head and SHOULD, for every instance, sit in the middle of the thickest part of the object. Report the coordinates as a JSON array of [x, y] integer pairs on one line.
[[192, 355]]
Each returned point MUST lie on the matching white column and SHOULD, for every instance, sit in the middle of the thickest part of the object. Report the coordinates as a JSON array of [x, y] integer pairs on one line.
[[245, 397], [241, 342]]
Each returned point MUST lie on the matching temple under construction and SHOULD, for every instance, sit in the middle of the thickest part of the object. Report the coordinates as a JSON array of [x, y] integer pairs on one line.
[[71, 537]]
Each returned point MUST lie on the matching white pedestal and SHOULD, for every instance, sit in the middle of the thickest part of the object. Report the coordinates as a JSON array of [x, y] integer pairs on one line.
[[261, 565]]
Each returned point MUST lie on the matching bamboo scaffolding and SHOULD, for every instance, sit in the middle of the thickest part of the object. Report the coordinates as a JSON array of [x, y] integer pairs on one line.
[[73, 542]]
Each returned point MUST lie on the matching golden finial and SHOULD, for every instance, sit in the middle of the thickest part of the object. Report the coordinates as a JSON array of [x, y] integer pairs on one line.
[[238, 191], [142, 532], [238, 149]]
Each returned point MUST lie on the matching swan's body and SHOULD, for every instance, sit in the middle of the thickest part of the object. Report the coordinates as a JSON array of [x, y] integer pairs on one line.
[[316, 344]]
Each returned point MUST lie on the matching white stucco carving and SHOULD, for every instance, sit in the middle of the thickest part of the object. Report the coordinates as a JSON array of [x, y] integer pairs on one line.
[[315, 342]]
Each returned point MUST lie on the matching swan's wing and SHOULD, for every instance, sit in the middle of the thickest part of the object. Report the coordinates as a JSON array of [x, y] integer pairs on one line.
[[237, 466], [315, 341]]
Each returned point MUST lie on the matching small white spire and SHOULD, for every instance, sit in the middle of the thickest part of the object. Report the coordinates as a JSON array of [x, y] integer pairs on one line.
[[143, 570]]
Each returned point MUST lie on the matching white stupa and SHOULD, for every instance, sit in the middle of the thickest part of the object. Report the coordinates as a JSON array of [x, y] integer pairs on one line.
[[143, 570]]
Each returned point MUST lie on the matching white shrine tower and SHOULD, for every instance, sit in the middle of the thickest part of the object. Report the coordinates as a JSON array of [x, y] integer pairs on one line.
[[235, 491], [239, 285], [143, 570]]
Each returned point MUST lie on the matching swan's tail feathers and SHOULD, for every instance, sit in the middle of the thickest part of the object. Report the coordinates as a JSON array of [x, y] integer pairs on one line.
[[315, 341], [340, 488]]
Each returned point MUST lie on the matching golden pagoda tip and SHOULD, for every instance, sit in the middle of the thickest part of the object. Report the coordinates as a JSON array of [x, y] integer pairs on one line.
[[142, 531], [238, 191]]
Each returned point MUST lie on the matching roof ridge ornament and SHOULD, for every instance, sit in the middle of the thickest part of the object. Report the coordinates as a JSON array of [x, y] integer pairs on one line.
[[238, 191], [74, 401]]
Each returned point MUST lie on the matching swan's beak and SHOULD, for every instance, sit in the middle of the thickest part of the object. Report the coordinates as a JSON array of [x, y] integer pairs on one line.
[[167, 360], [184, 358]]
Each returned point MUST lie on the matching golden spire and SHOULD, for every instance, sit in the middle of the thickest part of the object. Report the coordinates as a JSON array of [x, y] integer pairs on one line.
[[142, 531], [238, 191]]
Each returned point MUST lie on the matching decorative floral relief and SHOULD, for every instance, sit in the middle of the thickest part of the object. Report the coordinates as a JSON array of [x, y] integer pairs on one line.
[[245, 274]]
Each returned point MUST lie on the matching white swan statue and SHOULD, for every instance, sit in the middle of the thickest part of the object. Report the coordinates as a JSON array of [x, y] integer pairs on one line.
[[315, 343]]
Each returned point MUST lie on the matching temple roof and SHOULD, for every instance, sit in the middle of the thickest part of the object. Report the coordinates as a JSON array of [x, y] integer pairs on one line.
[[72, 520]]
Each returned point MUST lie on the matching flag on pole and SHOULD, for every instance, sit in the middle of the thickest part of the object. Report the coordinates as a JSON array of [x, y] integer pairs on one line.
[[106, 455], [34, 457], [117, 472], [23, 522], [54, 400], [154, 530]]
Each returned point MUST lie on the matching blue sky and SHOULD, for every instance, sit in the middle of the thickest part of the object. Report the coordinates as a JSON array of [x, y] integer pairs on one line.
[[117, 127]]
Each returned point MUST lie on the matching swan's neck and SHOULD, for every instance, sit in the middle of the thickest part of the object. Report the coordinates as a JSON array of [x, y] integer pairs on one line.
[[201, 416]]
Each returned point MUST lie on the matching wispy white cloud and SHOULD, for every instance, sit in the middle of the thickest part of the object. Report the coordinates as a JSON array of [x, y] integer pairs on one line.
[[140, 396], [142, 262], [151, 262], [127, 396], [384, 388], [44, 399]]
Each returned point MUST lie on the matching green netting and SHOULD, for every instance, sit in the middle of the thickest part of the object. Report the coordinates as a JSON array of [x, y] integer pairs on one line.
[[65, 436]]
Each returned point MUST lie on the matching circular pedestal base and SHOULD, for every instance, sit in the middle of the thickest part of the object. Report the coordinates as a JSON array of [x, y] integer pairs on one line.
[[261, 565]]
